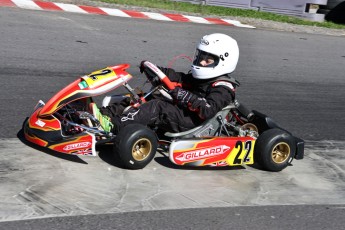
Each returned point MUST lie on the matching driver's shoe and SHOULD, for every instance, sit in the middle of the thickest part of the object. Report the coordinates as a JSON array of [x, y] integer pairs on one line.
[[103, 119]]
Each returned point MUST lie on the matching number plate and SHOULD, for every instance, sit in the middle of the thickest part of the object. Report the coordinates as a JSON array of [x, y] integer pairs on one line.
[[100, 77], [242, 153]]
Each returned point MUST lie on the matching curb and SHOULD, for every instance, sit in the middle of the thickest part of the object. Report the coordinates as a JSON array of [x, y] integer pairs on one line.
[[52, 6]]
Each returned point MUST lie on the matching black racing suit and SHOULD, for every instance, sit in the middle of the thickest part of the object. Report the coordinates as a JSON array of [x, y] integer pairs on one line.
[[211, 96]]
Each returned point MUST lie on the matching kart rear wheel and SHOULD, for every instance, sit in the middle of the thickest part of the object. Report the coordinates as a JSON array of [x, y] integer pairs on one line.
[[274, 149], [136, 146]]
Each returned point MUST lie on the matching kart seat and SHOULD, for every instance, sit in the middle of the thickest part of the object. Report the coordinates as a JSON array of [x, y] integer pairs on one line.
[[207, 128], [169, 134]]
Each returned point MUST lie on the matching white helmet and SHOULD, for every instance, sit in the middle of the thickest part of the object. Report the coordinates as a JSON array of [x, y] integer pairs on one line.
[[224, 52]]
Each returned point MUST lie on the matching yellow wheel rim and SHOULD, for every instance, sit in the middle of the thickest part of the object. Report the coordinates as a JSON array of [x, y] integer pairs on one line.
[[141, 149], [280, 152]]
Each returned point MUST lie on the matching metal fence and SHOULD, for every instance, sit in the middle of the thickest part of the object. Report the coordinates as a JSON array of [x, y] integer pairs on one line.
[[301, 8]]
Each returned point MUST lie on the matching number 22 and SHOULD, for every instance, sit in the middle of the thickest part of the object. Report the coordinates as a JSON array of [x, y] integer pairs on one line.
[[247, 147]]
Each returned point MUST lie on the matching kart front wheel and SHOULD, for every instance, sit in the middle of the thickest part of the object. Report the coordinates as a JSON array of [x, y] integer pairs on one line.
[[136, 146], [274, 149]]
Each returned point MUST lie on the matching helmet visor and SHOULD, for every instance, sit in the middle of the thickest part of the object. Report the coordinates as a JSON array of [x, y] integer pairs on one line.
[[204, 59]]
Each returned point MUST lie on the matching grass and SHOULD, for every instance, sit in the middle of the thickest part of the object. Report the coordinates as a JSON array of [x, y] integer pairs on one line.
[[221, 11]]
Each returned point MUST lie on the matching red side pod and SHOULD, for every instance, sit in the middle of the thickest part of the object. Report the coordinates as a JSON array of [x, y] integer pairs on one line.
[[81, 145], [218, 151]]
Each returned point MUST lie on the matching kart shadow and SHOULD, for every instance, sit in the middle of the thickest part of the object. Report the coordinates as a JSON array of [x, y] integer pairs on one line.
[[73, 158], [105, 152], [164, 161]]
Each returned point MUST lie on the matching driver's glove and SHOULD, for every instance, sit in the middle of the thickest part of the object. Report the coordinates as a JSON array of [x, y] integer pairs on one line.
[[182, 96], [142, 67], [149, 74]]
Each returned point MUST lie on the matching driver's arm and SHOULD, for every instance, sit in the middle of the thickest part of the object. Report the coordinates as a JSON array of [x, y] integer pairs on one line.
[[217, 98]]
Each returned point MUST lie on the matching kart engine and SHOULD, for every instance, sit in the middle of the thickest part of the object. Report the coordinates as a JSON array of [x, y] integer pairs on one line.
[[238, 125]]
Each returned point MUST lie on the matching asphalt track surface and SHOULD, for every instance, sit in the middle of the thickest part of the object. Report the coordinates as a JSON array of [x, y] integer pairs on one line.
[[295, 78]]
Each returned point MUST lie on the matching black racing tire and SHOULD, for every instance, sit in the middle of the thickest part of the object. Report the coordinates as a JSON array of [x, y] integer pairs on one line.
[[274, 150], [136, 146]]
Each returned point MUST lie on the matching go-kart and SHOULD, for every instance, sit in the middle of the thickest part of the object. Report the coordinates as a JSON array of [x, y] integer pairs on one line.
[[234, 136]]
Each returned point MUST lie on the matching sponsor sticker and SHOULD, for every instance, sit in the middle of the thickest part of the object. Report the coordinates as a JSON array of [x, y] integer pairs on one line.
[[152, 67], [83, 85], [204, 42], [202, 153], [40, 123], [224, 83], [82, 152], [77, 146]]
